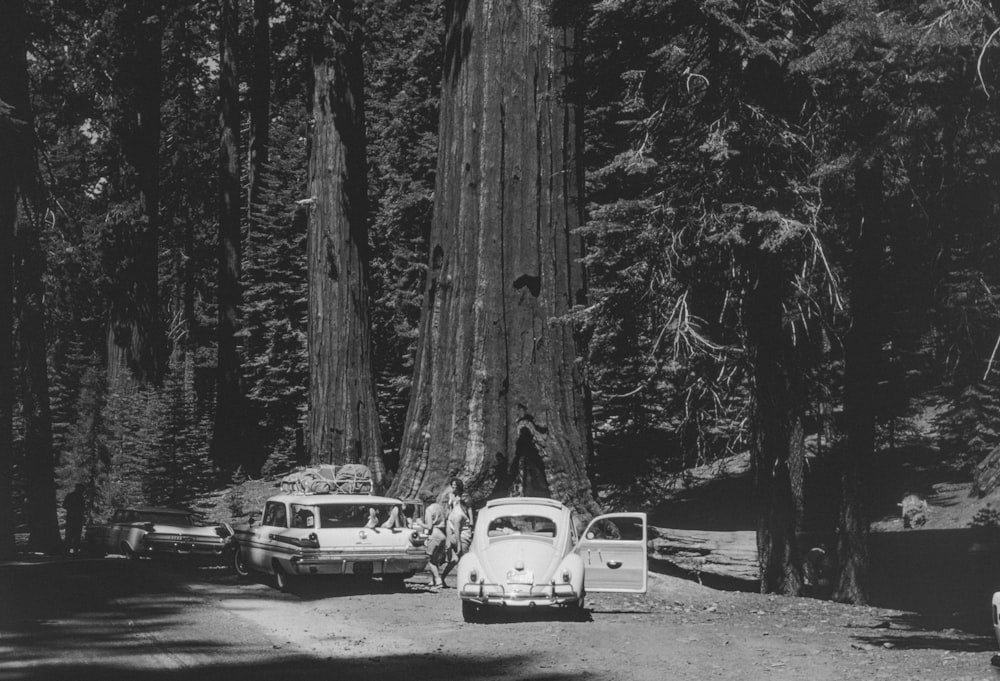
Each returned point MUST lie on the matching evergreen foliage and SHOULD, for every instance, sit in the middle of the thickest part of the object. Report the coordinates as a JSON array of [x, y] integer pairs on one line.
[[723, 143]]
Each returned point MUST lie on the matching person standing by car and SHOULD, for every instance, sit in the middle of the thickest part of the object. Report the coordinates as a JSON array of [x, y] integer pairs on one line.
[[450, 494], [74, 505], [459, 532], [459, 527], [436, 544]]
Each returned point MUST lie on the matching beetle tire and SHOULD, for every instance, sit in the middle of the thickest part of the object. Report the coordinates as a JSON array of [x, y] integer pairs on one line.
[[472, 612]]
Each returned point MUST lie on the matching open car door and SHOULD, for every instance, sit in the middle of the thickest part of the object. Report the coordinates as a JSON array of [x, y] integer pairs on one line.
[[613, 550]]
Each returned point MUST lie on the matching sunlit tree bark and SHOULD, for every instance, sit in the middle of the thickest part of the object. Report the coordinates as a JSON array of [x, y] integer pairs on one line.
[[498, 395], [343, 422]]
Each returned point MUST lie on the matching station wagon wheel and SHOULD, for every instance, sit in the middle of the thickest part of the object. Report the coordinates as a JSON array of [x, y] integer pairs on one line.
[[239, 563], [281, 578], [395, 581]]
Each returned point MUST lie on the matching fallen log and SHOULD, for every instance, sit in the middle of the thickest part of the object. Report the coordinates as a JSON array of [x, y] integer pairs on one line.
[[729, 555], [693, 481]]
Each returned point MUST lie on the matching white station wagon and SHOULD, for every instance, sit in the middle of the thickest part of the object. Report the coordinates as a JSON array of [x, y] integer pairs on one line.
[[526, 553], [330, 534]]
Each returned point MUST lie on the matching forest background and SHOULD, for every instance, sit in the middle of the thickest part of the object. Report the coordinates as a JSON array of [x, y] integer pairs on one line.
[[791, 240]]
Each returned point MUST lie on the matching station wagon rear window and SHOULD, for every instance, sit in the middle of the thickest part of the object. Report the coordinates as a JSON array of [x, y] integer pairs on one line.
[[333, 516], [522, 525]]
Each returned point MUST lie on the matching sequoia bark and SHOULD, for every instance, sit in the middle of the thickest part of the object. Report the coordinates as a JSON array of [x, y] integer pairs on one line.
[[343, 424], [498, 394]]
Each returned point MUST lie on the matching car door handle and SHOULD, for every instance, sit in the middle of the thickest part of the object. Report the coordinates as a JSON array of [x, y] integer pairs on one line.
[[614, 564]]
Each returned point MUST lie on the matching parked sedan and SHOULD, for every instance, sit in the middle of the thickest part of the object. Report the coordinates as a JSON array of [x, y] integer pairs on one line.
[[526, 553], [157, 532]]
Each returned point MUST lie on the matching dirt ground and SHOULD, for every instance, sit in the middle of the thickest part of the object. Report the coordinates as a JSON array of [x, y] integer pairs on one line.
[[107, 618], [678, 630]]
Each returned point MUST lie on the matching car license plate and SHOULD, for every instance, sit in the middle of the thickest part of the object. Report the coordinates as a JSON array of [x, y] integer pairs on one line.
[[364, 568], [520, 577]]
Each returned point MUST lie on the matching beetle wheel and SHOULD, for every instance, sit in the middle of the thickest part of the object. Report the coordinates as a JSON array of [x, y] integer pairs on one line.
[[472, 612]]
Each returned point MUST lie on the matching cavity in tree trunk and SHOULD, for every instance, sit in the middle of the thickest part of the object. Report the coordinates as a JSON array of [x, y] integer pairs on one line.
[[777, 450], [862, 348], [227, 444], [343, 424], [498, 391]]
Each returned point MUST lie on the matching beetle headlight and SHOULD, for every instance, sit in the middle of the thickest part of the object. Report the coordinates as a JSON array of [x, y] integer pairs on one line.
[[566, 575]]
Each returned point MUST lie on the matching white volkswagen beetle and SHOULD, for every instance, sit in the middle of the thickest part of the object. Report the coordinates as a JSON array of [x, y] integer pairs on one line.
[[526, 553]]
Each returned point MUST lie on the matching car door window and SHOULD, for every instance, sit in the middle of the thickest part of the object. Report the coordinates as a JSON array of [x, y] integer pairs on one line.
[[275, 515], [303, 516]]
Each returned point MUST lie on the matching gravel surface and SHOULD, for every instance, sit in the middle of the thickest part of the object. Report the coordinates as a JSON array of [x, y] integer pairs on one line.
[[107, 619]]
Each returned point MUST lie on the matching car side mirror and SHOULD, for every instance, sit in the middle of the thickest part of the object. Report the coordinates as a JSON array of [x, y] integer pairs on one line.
[[254, 517]]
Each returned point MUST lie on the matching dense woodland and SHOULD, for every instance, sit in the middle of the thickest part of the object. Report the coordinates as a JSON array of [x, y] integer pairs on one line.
[[551, 247]]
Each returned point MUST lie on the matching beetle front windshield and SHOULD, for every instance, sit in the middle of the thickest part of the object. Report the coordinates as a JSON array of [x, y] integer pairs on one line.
[[332, 516], [522, 525]]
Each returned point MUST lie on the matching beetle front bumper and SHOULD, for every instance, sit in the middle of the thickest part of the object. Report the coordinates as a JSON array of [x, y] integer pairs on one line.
[[520, 595]]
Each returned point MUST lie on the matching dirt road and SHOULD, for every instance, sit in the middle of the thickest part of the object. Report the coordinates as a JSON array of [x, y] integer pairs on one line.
[[116, 619]]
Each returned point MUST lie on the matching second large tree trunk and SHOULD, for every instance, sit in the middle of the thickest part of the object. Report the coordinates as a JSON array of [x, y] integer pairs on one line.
[[498, 395], [343, 423]]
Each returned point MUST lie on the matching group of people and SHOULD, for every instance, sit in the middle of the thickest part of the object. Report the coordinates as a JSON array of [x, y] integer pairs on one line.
[[448, 522]]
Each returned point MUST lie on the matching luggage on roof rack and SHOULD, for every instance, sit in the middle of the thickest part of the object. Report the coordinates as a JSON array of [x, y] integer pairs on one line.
[[351, 478]]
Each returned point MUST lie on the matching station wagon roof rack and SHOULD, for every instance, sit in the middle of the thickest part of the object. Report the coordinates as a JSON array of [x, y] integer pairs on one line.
[[351, 478]]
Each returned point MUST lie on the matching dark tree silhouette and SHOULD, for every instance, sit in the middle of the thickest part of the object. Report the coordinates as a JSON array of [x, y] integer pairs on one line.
[[227, 445]]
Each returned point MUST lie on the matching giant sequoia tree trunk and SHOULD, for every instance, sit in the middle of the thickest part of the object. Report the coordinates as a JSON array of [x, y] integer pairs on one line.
[[862, 348], [777, 450], [227, 444], [343, 422], [498, 394]]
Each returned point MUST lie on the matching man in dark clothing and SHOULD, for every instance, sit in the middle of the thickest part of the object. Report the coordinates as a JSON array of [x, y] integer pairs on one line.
[[73, 503]]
